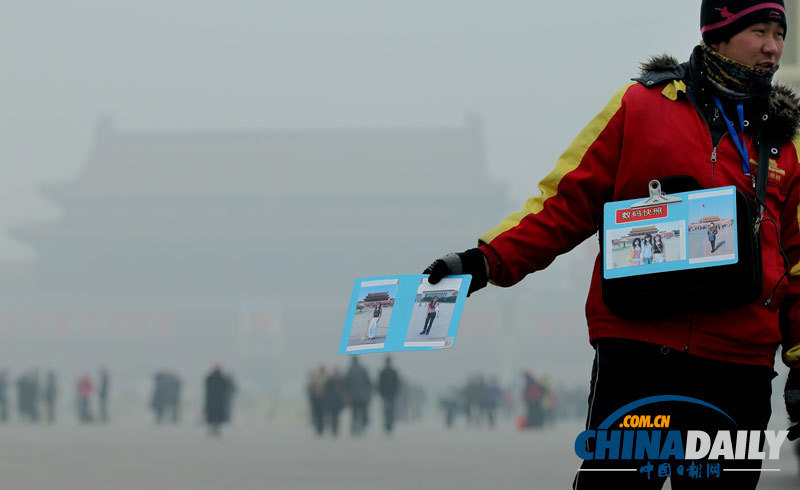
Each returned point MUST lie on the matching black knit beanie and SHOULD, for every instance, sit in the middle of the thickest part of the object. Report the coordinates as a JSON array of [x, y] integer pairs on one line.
[[722, 19]]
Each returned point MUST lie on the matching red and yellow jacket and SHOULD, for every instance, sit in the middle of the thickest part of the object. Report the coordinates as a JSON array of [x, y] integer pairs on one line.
[[650, 132]]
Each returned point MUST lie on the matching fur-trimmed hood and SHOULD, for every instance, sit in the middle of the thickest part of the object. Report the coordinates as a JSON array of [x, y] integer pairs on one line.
[[660, 63], [784, 104]]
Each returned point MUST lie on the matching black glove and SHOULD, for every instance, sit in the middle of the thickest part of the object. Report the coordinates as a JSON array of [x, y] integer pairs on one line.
[[470, 262], [791, 395]]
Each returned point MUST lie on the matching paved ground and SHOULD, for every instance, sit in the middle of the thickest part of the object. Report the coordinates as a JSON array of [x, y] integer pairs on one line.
[[361, 322], [699, 246], [423, 456]]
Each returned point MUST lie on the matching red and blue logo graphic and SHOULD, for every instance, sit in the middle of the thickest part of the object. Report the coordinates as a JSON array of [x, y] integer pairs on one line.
[[646, 439]]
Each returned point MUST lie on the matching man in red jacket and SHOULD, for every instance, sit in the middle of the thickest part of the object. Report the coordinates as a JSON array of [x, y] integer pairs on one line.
[[704, 118]]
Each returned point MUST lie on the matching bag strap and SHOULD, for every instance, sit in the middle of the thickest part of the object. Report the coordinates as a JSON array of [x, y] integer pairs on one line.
[[764, 148]]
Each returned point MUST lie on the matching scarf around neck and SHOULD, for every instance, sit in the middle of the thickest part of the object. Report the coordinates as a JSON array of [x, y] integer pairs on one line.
[[735, 80]]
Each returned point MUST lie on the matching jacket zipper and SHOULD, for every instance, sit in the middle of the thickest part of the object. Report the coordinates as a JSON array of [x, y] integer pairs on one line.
[[714, 153], [713, 162], [713, 168], [710, 136]]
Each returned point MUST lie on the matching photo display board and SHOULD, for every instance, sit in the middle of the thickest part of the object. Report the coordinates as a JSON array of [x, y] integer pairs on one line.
[[404, 312], [699, 231]]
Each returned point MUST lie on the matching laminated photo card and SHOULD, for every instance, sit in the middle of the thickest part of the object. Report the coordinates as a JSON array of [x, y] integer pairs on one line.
[[697, 231], [404, 312]]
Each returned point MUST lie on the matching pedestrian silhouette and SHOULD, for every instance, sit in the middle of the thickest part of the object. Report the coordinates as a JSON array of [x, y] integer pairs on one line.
[[359, 389], [85, 388], [102, 393], [219, 389], [388, 384], [50, 394]]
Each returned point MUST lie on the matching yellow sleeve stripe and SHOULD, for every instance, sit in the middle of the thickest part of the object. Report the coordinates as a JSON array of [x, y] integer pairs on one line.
[[566, 163], [796, 269], [792, 355]]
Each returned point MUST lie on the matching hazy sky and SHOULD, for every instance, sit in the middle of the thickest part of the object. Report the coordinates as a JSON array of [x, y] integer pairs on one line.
[[536, 72]]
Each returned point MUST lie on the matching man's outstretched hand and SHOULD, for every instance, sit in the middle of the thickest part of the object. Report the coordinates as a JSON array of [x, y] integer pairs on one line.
[[470, 262]]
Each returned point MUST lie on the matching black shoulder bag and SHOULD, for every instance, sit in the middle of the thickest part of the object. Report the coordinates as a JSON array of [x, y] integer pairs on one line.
[[663, 294]]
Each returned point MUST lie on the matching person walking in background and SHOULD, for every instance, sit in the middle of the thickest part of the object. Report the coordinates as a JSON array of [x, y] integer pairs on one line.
[[359, 389], [549, 401], [85, 389], [22, 396], [492, 395], [451, 403], [533, 394], [316, 393], [28, 396], [102, 393], [159, 398], [172, 397], [333, 400], [166, 396], [473, 394], [217, 399], [388, 384], [230, 390], [480, 398], [50, 393], [34, 394]]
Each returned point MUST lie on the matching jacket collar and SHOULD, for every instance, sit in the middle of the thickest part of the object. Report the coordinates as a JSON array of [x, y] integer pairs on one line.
[[784, 106]]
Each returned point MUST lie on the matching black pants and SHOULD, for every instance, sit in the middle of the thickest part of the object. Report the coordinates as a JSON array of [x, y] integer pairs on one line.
[[317, 415], [359, 420], [332, 415], [428, 323], [388, 413], [625, 371]]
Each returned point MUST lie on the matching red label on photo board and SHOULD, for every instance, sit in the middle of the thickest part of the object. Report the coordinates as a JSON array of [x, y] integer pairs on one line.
[[641, 214]]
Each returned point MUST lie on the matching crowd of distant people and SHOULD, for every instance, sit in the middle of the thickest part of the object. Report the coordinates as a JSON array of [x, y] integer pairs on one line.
[[329, 393], [481, 400], [37, 395], [478, 401], [166, 399], [535, 402], [86, 388], [218, 393]]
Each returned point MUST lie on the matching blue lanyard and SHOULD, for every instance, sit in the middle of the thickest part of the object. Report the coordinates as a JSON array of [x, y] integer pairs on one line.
[[740, 145]]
